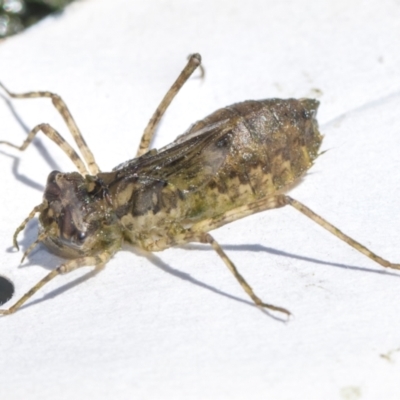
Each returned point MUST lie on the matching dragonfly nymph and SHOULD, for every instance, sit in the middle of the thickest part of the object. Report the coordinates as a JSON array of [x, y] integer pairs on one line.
[[238, 161]]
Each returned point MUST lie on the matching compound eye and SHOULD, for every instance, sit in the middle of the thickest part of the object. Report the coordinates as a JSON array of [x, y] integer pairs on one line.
[[81, 236]]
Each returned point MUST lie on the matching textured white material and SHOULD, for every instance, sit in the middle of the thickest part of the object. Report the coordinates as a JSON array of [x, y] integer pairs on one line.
[[176, 325]]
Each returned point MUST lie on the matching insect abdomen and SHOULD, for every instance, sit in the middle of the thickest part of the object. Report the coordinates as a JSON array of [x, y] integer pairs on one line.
[[233, 157], [271, 144]]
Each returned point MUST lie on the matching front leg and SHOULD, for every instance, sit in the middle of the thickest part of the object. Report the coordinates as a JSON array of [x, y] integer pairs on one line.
[[95, 261]]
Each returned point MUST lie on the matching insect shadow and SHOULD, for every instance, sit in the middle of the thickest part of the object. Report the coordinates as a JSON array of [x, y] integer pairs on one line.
[[20, 177], [37, 144], [282, 253], [161, 265]]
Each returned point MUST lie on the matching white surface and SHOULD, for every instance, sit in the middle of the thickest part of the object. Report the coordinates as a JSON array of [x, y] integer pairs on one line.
[[177, 325]]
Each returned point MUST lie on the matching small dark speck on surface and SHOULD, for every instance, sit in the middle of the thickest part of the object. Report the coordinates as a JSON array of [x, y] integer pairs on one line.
[[6, 290]]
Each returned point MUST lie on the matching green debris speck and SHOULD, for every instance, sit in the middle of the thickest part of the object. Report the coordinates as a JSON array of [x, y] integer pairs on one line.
[[16, 15]]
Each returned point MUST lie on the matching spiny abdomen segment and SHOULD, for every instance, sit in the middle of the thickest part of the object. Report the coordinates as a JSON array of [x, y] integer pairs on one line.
[[271, 144]]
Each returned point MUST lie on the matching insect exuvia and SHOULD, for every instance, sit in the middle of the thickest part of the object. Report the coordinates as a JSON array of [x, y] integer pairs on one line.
[[236, 162]]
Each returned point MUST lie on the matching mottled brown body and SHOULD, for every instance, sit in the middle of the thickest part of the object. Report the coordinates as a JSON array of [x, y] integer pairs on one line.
[[235, 156], [238, 161]]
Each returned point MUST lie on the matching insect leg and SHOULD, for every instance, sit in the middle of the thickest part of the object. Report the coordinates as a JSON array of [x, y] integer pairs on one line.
[[193, 63], [52, 134], [207, 238], [35, 210], [332, 229], [69, 266], [281, 201], [62, 108]]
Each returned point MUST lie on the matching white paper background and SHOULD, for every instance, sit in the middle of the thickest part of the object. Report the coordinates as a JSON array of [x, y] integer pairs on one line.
[[176, 325]]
